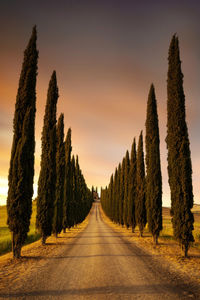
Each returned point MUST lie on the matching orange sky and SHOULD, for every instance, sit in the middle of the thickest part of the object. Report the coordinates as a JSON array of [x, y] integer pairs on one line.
[[106, 54]]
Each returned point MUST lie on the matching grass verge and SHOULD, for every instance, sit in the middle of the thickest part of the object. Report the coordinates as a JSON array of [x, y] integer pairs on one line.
[[168, 250], [5, 235]]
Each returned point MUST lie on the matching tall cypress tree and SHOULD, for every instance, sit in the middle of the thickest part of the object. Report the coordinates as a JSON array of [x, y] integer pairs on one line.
[[115, 186], [47, 178], [126, 189], [121, 193], [179, 161], [73, 204], [140, 205], [111, 198], [153, 169], [132, 187], [67, 182], [21, 172], [118, 193], [60, 176], [78, 191]]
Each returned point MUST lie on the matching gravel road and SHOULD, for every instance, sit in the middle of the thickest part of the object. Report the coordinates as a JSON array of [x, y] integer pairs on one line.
[[100, 264]]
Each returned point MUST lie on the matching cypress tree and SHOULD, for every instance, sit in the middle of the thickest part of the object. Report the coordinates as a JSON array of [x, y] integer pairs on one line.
[[132, 187], [111, 198], [72, 204], [115, 194], [92, 191], [60, 176], [126, 189], [78, 190], [67, 181], [47, 177], [21, 172], [121, 193], [153, 169], [140, 208], [179, 161], [118, 193], [80, 193]]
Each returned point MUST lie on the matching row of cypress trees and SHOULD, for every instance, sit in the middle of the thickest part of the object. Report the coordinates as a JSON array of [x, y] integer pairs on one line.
[[63, 198], [135, 198]]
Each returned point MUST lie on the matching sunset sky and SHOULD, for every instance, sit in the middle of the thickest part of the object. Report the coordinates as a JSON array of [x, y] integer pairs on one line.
[[106, 55]]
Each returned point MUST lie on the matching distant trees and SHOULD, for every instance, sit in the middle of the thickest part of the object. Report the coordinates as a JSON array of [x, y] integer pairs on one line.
[[78, 198], [47, 178], [179, 161], [116, 199], [21, 172], [153, 169]]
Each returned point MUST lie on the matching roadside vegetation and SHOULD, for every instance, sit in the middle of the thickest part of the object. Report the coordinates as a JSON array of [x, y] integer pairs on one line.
[[5, 235]]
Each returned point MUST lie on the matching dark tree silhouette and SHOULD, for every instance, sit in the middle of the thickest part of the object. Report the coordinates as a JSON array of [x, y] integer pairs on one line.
[[179, 161], [140, 201], [21, 172], [153, 169], [47, 177], [60, 176]]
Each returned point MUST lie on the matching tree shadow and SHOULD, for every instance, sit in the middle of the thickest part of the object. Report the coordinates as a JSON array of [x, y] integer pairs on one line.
[[151, 289], [82, 256]]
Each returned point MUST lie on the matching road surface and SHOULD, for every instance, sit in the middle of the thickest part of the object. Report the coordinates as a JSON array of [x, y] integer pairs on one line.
[[100, 264]]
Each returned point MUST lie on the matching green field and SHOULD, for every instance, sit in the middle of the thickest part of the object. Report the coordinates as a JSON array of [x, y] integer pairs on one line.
[[167, 231], [5, 236]]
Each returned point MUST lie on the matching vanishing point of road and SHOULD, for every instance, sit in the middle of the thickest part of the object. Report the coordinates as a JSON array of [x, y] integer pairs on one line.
[[101, 264]]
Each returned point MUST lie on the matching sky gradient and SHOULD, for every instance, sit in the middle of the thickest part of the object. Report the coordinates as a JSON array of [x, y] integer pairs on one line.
[[106, 55]]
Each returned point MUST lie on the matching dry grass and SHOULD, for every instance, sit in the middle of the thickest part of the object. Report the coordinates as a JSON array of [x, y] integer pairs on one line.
[[168, 251], [35, 255]]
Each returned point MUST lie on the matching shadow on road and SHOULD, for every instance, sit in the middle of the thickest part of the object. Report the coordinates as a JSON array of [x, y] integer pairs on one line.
[[103, 290]]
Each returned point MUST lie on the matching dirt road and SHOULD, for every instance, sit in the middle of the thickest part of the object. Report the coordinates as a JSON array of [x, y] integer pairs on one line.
[[100, 264]]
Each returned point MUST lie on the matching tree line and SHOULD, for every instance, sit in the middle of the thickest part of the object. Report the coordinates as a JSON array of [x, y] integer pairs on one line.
[[134, 195], [63, 199]]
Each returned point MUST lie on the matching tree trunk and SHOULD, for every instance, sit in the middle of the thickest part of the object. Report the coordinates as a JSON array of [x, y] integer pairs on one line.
[[141, 233], [16, 247], [184, 251], [155, 240], [64, 230], [44, 240]]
